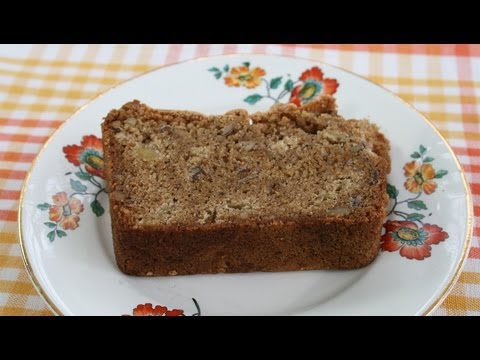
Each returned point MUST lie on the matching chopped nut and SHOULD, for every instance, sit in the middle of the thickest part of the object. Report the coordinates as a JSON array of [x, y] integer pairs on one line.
[[280, 146], [236, 206], [167, 208], [375, 175], [243, 172], [173, 272], [357, 200], [358, 147], [252, 176], [333, 136], [149, 273], [116, 124], [271, 188], [291, 141], [200, 151], [248, 145], [118, 195], [120, 136], [228, 130], [166, 128], [318, 201], [131, 121], [340, 211], [209, 216], [196, 172]]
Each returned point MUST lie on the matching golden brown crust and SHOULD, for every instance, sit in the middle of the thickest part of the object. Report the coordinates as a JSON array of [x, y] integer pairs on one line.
[[289, 189]]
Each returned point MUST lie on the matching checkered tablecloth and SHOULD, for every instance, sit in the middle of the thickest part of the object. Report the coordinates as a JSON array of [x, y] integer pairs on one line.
[[41, 85]]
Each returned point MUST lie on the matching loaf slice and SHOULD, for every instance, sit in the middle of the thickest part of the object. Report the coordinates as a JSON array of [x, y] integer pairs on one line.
[[293, 188]]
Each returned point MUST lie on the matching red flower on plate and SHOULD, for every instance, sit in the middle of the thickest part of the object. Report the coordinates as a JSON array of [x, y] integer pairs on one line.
[[89, 153], [313, 86], [412, 241], [149, 310]]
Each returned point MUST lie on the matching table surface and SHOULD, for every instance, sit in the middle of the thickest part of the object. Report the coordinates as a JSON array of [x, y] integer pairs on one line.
[[41, 85]]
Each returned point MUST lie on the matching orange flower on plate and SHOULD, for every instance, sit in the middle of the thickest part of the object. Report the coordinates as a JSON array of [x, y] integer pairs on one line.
[[419, 178], [65, 211], [149, 310], [412, 241], [89, 153], [244, 76], [313, 86]]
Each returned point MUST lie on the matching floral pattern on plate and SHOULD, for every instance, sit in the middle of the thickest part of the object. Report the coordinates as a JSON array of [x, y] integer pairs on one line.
[[65, 208], [410, 236], [310, 85], [159, 310]]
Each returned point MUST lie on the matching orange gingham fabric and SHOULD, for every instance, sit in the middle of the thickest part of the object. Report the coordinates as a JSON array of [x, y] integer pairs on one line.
[[41, 85]]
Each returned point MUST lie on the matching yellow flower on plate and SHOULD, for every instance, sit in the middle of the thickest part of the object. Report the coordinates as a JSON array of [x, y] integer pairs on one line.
[[244, 76], [419, 178]]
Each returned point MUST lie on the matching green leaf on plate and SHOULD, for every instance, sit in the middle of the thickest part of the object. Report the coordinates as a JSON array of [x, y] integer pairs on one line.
[[417, 205], [415, 217], [246, 63], [392, 191], [61, 233], [44, 206], [423, 149], [51, 225], [97, 208], [440, 174], [51, 235], [428, 159], [415, 155], [289, 85], [78, 186], [216, 72], [226, 68], [83, 175], [253, 99], [275, 82]]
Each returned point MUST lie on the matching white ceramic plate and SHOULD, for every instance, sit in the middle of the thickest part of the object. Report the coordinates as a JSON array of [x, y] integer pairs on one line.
[[65, 224]]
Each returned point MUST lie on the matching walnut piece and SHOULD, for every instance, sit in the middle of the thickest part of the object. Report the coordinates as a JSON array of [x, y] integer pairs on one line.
[[229, 130], [196, 172]]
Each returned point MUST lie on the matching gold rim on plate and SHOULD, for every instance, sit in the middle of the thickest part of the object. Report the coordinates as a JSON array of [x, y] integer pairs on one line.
[[431, 308]]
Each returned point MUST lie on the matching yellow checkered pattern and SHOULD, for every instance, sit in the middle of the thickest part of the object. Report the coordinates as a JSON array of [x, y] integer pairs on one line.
[[41, 85]]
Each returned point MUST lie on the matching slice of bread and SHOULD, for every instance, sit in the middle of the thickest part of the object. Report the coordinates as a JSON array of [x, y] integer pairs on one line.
[[294, 188]]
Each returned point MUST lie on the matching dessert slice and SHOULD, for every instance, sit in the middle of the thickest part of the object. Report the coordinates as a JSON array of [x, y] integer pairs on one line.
[[293, 188]]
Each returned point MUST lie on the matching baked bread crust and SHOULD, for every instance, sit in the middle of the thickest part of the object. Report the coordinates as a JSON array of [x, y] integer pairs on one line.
[[186, 199]]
